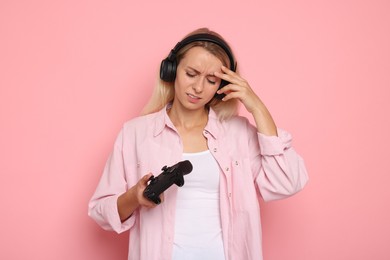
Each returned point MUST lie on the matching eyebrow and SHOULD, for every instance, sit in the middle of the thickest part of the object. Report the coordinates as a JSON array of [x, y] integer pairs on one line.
[[198, 72]]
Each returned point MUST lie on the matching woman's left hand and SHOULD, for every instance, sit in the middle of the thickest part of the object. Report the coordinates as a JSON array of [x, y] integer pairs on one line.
[[238, 88]]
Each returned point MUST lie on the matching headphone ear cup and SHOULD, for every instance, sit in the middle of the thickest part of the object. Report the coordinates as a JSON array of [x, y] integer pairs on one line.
[[168, 70]]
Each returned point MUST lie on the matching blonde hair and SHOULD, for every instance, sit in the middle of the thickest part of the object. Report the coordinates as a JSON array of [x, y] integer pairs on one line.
[[164, 93]]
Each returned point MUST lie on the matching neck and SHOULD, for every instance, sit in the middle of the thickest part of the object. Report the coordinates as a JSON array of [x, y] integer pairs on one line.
[[182, 118]]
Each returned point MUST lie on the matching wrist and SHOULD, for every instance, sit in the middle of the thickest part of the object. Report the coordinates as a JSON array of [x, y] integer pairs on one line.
[[264, 122]]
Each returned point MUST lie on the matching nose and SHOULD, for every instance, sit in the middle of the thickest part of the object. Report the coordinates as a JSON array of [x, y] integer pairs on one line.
[[198, 85]]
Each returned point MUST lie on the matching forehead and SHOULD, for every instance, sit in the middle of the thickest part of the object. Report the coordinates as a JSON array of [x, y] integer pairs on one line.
[[200, 56]]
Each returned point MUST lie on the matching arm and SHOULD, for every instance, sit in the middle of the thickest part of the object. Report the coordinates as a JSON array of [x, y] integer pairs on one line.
[[112, 204], [279, 171], [103, 206]]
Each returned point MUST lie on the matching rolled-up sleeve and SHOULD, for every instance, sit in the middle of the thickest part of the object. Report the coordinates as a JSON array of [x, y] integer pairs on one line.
[[103, 204], [282, 171]]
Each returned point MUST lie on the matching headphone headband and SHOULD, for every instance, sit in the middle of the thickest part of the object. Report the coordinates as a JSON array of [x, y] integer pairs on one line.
[[203, 37]]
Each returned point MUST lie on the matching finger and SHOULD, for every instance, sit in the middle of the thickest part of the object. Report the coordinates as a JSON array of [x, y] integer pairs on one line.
[[236, 91], [162, 197], [144, 202], [230, 88], [232, 95], [226, 77], [146, 178], [228, 71], [150, 205]]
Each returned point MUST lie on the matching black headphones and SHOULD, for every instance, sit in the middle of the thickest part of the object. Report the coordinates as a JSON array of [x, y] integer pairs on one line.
[[169, 65]]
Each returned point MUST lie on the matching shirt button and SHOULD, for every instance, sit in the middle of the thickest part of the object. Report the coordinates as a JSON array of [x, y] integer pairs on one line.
[[215, 150], [227, 169], [230, 194], [236, 163]]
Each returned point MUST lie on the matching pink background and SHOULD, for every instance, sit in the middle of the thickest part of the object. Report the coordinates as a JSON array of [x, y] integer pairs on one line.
[[71, 72]]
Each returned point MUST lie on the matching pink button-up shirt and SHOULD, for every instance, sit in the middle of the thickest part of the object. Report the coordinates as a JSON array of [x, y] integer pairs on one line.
[[252, 165]]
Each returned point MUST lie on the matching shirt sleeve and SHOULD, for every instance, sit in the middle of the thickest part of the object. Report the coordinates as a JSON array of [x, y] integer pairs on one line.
[[282, 171], [103, 204]]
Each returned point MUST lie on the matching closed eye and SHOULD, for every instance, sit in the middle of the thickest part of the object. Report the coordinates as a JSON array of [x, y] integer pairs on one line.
[[211, 81], [191, 75]]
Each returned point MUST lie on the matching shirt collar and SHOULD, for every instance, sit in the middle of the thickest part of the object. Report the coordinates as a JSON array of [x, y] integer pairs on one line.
[[212, 125], [163, 120]]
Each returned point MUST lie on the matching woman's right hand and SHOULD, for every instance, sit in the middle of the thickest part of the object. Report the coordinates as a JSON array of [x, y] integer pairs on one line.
[[133, 198], [139, 190]]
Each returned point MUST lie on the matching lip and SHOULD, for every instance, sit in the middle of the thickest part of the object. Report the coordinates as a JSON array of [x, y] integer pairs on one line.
[[192, 98]]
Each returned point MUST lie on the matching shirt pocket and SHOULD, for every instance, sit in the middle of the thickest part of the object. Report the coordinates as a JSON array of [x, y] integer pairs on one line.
[[244, 188], [152, 157], [148, 158]]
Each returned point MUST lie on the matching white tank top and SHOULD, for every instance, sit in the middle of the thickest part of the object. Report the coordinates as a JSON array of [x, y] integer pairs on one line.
[[198, 233]]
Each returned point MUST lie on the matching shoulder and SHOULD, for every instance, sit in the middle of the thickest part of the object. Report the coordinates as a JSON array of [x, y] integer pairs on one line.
[[238, 123], [144, 123], [140, 120], [238, 136], [234, 127]]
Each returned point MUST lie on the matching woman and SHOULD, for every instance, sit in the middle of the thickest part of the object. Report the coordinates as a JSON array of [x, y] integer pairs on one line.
[[192, 116]]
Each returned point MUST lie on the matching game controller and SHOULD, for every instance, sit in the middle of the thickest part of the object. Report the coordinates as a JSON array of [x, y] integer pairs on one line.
[[168, 177]]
